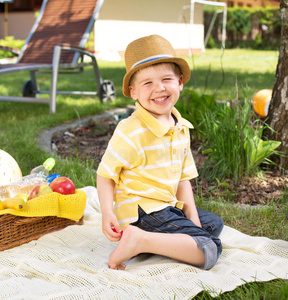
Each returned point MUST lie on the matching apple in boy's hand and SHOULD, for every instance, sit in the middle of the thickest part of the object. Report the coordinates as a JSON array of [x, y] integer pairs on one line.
[[114, 229], [63, 185], [40, 190]]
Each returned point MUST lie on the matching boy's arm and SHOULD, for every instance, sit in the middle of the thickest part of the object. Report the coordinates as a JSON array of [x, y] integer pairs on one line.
[[105, 189], [185, 194]]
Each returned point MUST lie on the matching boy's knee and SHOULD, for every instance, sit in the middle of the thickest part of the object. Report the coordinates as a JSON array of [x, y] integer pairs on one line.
[[218, 227], [211, 249]]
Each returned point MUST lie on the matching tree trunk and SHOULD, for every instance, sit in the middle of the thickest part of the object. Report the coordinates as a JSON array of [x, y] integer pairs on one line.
[[278, 109]]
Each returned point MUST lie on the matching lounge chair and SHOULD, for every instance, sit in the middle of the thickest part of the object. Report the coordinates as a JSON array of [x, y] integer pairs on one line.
[[56, 45]]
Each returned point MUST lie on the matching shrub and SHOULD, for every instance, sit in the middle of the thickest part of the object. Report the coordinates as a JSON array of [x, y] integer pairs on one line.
[[238, 23], [234, 142], [9, 41], [241, 20], [193, 107], [257, 41], [210, 43]]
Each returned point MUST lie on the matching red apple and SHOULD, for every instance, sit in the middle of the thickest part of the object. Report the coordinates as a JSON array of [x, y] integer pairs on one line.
[[40, 190], [114, 229], [63, 185]]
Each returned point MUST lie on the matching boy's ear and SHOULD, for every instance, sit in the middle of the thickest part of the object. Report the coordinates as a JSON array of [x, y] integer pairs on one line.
[[132, 93], [181, 84]]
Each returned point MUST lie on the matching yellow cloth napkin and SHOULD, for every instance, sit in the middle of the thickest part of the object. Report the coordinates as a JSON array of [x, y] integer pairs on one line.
[[54, 204]]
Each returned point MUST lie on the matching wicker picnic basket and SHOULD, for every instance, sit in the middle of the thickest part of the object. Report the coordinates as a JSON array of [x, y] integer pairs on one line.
[[16, 229]]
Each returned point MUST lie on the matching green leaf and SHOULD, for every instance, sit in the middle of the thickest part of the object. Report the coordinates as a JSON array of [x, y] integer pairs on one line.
[[257, 151]]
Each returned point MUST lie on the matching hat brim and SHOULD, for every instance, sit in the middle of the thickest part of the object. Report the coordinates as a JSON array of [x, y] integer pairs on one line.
[[183, 65]]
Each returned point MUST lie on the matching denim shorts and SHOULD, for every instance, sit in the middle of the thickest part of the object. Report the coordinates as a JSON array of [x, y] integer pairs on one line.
[[172, 220]]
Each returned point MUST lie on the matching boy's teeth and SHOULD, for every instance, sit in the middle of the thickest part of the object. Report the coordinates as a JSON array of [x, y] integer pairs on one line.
[[160, 99]]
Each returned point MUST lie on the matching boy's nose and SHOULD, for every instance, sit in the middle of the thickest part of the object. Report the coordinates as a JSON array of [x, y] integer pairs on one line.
[[160, 87]]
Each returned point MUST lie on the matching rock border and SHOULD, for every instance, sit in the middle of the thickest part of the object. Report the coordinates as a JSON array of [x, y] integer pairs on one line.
[[44, 136]]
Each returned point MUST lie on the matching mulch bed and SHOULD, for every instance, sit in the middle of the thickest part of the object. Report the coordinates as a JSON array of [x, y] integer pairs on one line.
[[90, 143]]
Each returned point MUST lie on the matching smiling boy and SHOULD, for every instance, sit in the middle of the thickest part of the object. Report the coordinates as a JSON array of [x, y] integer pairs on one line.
[[143, 180]]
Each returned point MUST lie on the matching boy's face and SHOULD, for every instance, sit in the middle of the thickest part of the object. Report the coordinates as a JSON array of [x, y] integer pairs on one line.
[[157, 88]]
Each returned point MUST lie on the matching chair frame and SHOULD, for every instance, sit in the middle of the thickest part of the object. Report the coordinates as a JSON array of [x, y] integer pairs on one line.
[[105, 89]]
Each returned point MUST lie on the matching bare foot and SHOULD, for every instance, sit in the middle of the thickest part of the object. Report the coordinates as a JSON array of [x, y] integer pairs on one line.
[[128, 247]]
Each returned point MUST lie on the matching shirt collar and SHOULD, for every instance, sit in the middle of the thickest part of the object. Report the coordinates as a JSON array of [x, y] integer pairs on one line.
[[157, 127]]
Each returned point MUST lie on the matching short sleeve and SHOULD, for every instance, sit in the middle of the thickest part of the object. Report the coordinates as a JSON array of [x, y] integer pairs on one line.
[[189, 169], [121, 153]]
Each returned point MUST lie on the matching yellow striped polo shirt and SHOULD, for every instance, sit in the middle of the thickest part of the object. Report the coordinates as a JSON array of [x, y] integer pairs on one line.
[[147, 158]]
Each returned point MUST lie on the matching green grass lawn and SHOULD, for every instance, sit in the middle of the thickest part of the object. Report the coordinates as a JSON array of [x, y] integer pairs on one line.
[[253, 70]]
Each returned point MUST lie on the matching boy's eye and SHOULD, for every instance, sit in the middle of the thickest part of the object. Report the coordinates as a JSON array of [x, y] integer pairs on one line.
[[147, 82], [167, 78]]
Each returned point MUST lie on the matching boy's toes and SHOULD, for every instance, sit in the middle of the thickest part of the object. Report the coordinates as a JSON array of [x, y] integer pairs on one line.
[[121, 266]]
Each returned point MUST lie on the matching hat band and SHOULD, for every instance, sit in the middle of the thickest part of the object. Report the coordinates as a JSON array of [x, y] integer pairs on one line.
[[151, 58]]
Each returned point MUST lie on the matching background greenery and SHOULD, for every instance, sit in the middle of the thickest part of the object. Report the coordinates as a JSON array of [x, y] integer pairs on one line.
[[20, 124], [9, 41], [256, 28]]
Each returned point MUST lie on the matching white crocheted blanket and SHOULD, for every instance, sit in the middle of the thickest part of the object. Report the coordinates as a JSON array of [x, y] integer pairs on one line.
[[72, 264]]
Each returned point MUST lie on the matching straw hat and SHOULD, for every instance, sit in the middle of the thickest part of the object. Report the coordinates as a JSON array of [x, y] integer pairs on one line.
[[149, 50]]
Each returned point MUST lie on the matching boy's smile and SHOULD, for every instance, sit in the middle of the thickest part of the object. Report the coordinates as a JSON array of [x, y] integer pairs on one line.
[[157, 88], [161, 100]]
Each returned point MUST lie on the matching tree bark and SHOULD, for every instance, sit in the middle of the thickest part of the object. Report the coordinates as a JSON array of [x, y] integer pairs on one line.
[[278, 109]]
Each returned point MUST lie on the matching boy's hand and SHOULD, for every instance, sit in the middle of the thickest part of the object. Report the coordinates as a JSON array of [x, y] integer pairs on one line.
[[111, 228], [121, 232]]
